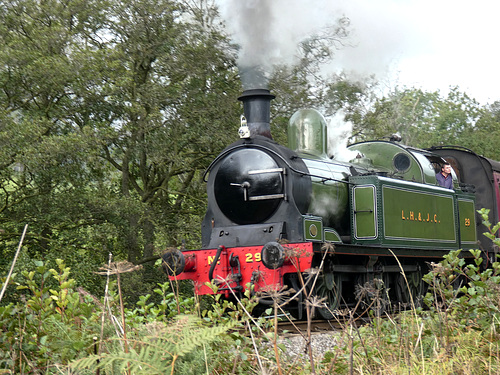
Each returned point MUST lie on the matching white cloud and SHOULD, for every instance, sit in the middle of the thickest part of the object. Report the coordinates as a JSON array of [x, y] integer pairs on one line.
[[461, 49]]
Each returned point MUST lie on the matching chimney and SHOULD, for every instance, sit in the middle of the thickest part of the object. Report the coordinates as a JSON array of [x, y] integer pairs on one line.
[[257, 110]]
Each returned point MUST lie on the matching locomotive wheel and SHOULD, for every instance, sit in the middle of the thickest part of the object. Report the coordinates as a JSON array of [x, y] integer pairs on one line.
[[413, 290], [328, 286], [296, 307]]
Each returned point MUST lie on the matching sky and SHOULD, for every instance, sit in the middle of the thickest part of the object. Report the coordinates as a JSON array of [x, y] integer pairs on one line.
[[428, 44], [456, 44]]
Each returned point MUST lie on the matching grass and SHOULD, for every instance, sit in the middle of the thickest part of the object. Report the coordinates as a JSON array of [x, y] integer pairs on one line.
[[459, 332]]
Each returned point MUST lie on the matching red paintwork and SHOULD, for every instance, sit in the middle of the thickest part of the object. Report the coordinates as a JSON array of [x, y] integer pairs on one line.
[[198, 266]]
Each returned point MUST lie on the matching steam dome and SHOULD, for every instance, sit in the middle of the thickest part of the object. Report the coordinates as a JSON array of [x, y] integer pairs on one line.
[[307, 132]]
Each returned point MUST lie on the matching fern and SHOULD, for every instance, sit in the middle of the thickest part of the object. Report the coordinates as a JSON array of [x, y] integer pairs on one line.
[[156, 354]]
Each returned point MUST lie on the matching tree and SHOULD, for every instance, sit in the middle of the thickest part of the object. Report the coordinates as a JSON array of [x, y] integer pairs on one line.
[[425, 119], [107, 104], [38, 61], [484, 137], [172, 81]]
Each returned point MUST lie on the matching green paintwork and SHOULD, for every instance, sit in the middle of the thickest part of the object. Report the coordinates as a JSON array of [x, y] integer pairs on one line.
[[330, 235], [365, 218], [410, 215], [429, 173], [418, 215], [330, 196], [467, 217], [313, 228], [382, 156]]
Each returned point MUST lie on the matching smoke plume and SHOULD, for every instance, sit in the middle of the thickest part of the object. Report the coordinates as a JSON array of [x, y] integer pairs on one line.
[[270, 31]]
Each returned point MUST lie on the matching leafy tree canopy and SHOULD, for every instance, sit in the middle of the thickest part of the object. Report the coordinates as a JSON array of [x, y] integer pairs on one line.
[[104, 110], [425, 119]]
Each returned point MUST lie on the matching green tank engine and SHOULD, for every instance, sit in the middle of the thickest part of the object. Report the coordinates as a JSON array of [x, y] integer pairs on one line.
[[366, 214]]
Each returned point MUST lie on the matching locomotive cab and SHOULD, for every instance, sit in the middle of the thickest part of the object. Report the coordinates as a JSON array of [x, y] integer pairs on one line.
[[400, 162], [481, 176]]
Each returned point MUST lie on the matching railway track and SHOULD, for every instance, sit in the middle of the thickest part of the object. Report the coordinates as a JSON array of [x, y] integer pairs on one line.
[[317, 326]]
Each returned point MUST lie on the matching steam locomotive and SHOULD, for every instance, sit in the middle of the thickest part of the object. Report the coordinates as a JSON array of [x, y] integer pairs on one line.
[[277, 214]]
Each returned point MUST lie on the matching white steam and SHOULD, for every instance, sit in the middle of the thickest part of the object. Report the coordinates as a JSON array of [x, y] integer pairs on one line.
[[339, 131], [324, 204], [269, 32]]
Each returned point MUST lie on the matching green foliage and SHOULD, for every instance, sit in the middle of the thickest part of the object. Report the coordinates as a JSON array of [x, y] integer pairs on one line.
[[229, 310], [166, 308], [412, 344], [426, 119], [103, 135], [157, 354], [492, 230], [52, 325], [53, 328], [465, 290]]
